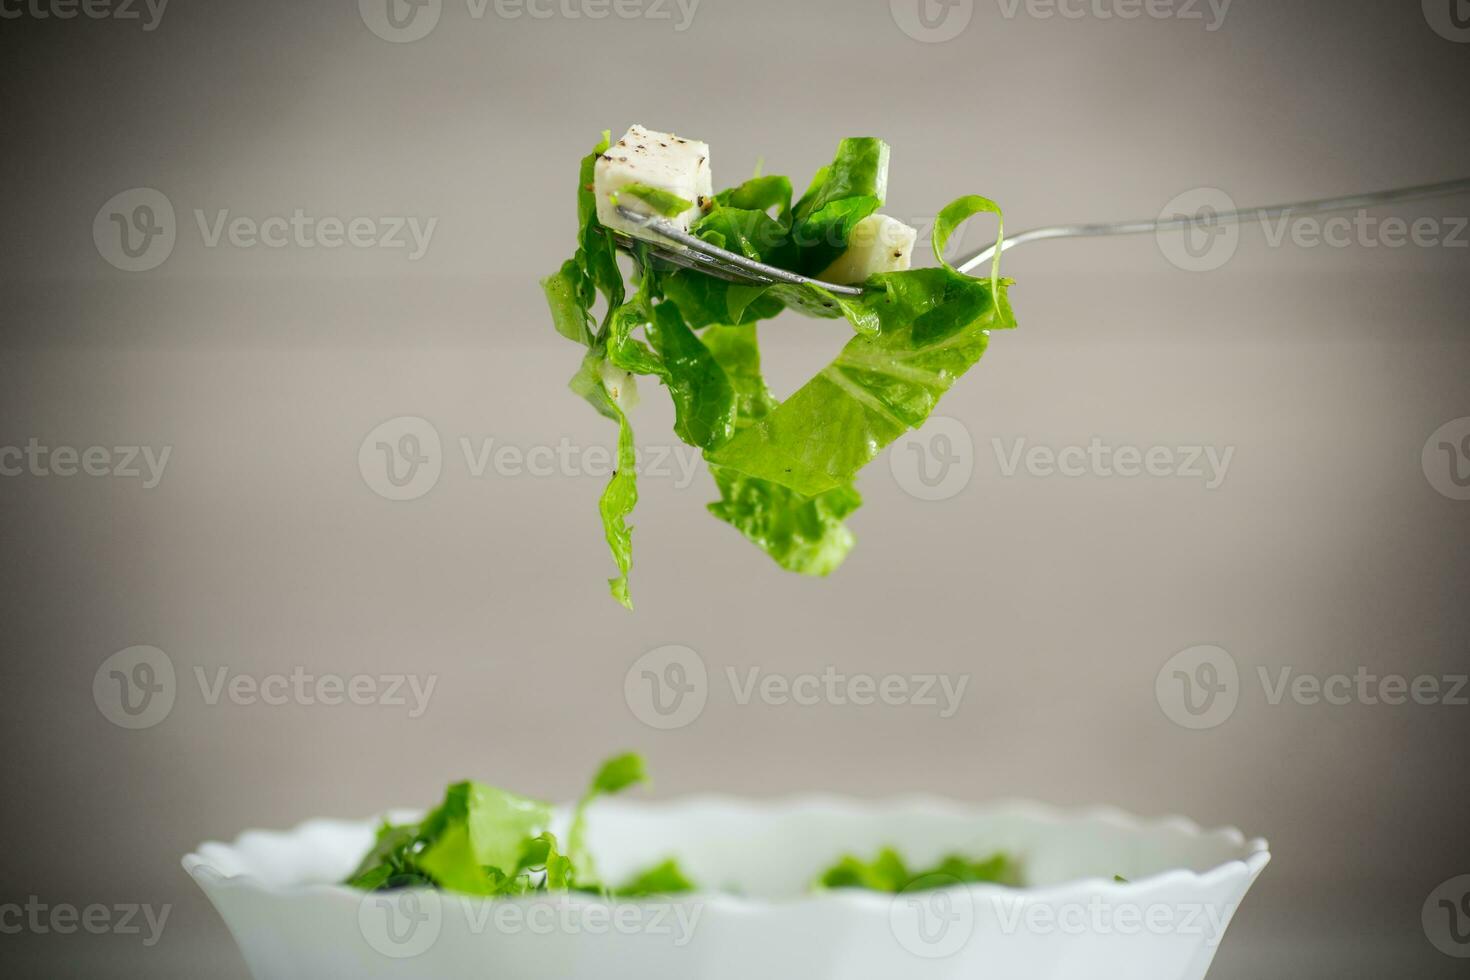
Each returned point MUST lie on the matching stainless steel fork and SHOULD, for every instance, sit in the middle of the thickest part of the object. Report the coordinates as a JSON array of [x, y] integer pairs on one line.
[[689, 251]]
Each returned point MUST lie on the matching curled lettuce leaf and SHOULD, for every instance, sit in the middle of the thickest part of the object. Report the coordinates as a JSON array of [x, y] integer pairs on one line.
[[802, 534], [878, 388]]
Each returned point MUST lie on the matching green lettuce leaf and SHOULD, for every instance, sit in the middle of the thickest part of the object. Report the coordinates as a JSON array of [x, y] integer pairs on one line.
[[877, 388], [667, 878], [473, 842], [760, 194], [617, 502], [488, 842], [663, 202], [617, 774], [846, 192], [620, 495], [934, 325], [802, 534], [888, 872], [704, 401]]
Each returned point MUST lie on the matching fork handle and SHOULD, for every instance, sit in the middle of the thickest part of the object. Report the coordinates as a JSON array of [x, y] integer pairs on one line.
[[1180, 222]]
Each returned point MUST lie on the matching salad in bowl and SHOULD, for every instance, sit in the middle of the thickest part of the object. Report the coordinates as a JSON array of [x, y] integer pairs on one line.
[[490, 883]]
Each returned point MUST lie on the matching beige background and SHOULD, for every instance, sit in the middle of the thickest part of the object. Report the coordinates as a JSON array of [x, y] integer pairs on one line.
[[263, 549]]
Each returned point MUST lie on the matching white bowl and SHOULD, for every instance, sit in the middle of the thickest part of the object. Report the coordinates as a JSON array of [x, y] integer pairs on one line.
[[278, 894]]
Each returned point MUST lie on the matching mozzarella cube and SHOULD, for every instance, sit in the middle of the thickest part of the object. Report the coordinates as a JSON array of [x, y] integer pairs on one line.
[[621, 386], [662, 161], [878, 244]]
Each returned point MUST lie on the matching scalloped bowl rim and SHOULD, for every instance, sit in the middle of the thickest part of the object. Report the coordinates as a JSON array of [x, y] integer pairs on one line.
[[1257, 851]]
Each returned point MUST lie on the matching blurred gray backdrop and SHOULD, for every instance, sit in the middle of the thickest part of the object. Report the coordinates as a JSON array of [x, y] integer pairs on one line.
[[259, 308]]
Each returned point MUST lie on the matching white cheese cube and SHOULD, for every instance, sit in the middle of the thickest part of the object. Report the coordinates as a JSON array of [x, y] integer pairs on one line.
[[621, 386], [878, 244], [662, 161]]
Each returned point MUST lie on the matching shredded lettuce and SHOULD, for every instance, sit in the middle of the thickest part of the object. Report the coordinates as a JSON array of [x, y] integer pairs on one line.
[[785, 470], [489, 842], [492, 843], [889, 873]]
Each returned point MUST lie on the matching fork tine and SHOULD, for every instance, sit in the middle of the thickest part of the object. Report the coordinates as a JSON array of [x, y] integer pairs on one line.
[[682, 259], [747, 270]]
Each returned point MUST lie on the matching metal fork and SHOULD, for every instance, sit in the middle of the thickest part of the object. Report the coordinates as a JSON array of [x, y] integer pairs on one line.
[[691, 252]]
